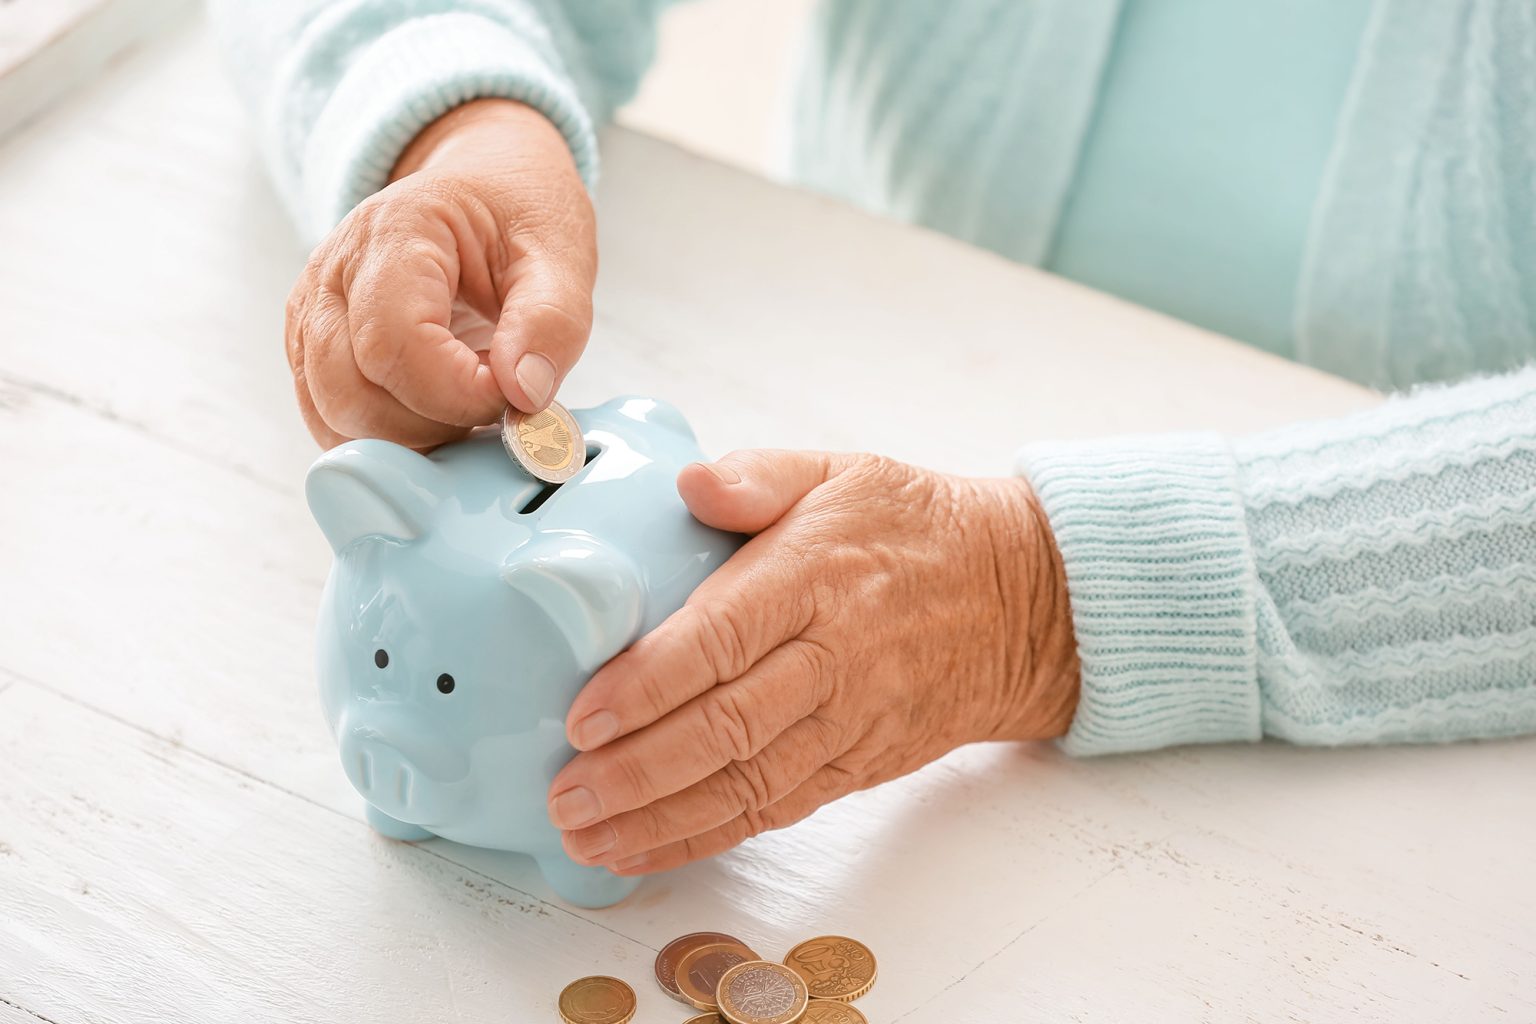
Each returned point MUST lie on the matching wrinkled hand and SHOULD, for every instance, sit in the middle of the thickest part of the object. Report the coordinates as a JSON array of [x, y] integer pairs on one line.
[[485, 239], [882, 616]]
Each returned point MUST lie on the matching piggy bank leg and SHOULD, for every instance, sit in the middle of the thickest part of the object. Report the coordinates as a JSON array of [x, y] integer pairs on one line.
[[391, 828], [582, 885]]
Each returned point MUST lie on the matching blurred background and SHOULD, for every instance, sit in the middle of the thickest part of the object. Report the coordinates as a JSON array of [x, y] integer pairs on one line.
[[718, 87]]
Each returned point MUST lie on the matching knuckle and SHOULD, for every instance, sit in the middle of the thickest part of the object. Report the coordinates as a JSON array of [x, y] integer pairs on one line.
[[746, 784], [729, 727], [721, 637], [628, 775]]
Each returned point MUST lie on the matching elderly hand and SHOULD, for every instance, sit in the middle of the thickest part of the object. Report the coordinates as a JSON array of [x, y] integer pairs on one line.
[[882, 616], [485, 238]]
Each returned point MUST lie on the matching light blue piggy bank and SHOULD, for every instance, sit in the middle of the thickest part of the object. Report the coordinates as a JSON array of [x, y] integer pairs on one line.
[[469, 603]]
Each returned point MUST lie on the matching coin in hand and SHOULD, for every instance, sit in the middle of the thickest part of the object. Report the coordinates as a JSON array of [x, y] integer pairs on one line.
[[672, 954], [833, 967], [547, 444], [597, 1000], [759, 992]]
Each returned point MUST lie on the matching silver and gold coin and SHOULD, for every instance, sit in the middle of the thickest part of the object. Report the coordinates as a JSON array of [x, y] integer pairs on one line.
[[833, 967], [700, 971], [672, 954], [597, 1000], [547, 444], [759, 992]]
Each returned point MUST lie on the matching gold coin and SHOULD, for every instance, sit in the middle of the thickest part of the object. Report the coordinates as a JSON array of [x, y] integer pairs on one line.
[[547, 444], [597, 1000], [672, 954], [759, 992], [830, 1011], [706, 1018], [700, 971], [833, 967]]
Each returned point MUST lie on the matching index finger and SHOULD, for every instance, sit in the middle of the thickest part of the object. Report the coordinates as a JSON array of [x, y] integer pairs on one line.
[[748, 607], [399, 308]]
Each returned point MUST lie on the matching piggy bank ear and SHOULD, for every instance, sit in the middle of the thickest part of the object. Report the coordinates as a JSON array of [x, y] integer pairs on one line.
[[371, 489], [591, 591]]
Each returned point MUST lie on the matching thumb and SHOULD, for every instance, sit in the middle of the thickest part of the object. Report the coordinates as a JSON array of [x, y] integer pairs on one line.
[[749, 491], [545, 320]]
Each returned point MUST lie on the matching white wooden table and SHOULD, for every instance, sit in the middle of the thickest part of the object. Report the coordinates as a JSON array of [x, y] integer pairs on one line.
[[178, 843]]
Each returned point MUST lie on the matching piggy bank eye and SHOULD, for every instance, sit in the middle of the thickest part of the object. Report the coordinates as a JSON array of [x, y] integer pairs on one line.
[[445, 683], [381, 658]]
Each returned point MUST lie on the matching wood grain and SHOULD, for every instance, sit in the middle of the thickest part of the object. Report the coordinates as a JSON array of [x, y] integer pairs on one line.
[[178, 840]]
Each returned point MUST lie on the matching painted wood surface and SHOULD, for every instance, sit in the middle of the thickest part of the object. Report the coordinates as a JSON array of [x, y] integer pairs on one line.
[[177, 842]]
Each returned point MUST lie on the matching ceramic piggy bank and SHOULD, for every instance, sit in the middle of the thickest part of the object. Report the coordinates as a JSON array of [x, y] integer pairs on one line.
[[469, 602]]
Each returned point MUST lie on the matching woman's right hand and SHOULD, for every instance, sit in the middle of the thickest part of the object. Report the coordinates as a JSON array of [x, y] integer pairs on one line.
[[464, 285]]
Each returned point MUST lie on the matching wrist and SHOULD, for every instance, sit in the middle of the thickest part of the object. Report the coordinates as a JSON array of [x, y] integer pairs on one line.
[[482, 134], [1038, 675]]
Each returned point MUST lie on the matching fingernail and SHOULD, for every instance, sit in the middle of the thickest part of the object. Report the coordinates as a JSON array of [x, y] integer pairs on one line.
[[630, 863], [596, 729], [595, 841], [536, 375], [575, 808], [725, 474]]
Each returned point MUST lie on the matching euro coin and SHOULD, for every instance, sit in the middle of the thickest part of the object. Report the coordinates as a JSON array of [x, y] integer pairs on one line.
[[833, 967], [597, 1000], [700, 971], [706, 1018], [759, 992], [547, 444], [673, 952], [830, 1011]]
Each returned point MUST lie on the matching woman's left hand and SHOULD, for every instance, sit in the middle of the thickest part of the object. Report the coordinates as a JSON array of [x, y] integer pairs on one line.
[[882, 616]]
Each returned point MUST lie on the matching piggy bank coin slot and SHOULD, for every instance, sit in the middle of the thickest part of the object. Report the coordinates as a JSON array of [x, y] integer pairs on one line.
[[544, 493]]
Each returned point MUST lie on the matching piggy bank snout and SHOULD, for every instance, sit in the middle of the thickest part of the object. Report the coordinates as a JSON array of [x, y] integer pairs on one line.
[[412, 777]]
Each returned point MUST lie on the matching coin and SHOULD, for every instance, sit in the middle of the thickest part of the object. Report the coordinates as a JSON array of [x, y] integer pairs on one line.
[[673, 952], [759, 992], [699, 972], [597, 1000], [834, 967], [547, 444], [710, 1018], [830, 1011]]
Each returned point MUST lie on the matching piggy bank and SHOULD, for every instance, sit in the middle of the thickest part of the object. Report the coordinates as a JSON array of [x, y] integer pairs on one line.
[[469, 602]]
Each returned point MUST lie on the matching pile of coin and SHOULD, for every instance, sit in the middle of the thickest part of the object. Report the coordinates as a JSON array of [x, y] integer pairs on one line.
[[722, 975]]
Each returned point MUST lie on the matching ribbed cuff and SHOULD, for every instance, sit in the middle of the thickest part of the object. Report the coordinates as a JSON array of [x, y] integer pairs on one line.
[[405, 80], [1162, 585]]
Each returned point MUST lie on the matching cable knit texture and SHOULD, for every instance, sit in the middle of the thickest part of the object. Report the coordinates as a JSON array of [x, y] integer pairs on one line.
[[1365, 580], [1370, 579]]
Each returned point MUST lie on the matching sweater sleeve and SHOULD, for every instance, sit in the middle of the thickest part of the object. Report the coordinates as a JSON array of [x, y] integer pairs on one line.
[[1370, 579], [338, 88]]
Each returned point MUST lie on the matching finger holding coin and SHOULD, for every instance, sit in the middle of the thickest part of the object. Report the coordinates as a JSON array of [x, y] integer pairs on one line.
[[548, 444]]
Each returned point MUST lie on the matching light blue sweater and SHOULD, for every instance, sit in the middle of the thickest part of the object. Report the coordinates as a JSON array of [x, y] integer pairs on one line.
[[1371, 579]]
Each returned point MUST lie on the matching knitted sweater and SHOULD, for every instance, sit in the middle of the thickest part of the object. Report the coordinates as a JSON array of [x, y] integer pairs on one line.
[[1370, 579]]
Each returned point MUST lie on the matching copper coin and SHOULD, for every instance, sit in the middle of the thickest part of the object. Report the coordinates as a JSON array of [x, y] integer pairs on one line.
[[833, 967], [700, 971], [759, 992], [548, 444], [673, 952], [597, 1000], [830, 1011]]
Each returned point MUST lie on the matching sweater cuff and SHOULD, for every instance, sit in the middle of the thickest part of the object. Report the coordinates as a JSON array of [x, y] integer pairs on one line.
[[405, 80], [1162, 585]]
